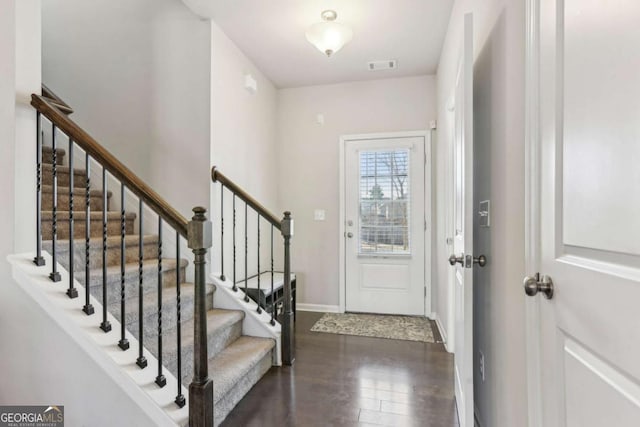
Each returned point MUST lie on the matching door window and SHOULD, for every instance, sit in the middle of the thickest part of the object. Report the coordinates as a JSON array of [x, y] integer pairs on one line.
[[384, 202]]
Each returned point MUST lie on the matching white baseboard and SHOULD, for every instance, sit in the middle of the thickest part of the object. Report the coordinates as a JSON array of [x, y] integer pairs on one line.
[[443, 333], [318, 308]]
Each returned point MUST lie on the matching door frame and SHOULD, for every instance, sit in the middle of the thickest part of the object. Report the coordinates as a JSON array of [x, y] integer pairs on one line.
[[449, 225], [427, 209], [532, 208]]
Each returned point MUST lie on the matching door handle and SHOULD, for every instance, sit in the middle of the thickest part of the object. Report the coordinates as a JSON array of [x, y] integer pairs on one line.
[[535, 284], [454, 259], [349, 234], [481, 260]]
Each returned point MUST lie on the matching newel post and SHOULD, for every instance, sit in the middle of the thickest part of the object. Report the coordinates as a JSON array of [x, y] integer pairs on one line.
[[288, 338], [201, 389]]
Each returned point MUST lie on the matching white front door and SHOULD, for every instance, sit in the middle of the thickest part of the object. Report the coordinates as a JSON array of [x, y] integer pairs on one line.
[[462, 258], [384, 214], [588, 356]]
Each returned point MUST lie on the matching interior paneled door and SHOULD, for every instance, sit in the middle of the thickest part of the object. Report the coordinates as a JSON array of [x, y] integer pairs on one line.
[[384, 225], [462, 258], [590, 213]]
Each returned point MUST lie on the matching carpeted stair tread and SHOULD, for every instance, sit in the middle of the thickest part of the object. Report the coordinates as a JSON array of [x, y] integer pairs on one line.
[[96, 242], [236, 369], [77, 191], [169, 312], [47, 169], [79, 199], [131, 271], [114, 224], [62, 173], [149, 249], [47, 155], [235, 361], [218, 320], [223, 328], [63, 215]]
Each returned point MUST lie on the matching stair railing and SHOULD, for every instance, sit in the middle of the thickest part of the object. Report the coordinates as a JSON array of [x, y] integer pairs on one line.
[[285, 227], [197, 232]]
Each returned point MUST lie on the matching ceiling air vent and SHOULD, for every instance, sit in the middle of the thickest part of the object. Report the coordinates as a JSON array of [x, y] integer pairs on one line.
[[386, 64]]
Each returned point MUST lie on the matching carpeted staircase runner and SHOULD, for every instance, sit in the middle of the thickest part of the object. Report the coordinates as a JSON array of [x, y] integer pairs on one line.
[[237, 361]]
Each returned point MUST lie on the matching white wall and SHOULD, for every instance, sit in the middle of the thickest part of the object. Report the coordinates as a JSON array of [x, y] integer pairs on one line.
[[308, 158], [243, 136], [24, 330], [499, 145], [7, 133], [73, 378], [137, 74], [243, 145]]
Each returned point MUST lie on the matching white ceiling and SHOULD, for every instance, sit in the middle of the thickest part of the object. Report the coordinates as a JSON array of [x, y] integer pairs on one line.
[[272, 34]]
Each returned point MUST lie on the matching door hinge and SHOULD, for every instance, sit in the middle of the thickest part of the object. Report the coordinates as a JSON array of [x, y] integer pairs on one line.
[[425, 291], [425, 225]]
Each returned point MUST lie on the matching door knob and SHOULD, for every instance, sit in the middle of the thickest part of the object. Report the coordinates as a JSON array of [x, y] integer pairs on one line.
[[453, 259], [481, 260], [535, 284], [349, 234]]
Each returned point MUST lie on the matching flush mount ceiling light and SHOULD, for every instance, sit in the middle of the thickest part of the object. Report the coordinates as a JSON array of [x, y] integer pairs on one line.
[[329, 36]]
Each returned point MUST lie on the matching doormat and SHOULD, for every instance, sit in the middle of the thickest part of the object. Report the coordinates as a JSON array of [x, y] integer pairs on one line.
[[407, 328]]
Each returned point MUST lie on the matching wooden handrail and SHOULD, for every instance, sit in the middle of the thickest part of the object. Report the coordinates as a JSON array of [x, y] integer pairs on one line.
[[152, 199], [56, 100], [218, 176]]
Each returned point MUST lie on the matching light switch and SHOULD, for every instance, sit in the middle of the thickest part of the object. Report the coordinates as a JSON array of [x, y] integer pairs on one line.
[[319, 215]]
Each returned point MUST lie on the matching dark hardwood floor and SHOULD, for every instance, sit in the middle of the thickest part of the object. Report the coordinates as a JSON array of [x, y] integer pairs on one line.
[[340, 380]]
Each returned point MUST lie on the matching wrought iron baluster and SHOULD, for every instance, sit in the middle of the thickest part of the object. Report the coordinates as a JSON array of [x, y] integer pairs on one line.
[[105, 325], [180, 399], [160, 378], [222, 232], [88, 307], [39, 260], [123, 343], [273, 296], [246, 254], [54, 275], [72, 292], [235, 286], [259, 310], [141, 361]]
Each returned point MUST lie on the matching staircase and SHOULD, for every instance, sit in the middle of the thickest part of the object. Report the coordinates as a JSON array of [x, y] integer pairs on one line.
[[146, 291]]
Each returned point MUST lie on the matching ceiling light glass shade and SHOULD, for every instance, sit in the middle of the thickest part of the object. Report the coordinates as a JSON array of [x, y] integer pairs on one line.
[[329, 37]]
